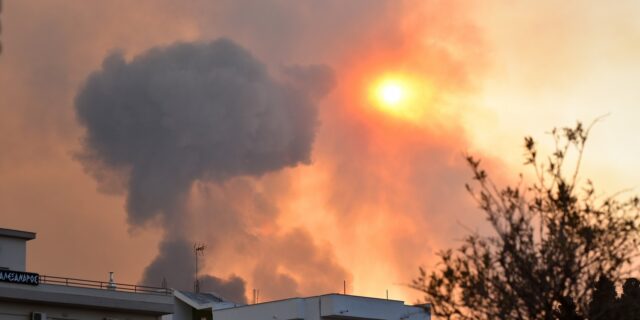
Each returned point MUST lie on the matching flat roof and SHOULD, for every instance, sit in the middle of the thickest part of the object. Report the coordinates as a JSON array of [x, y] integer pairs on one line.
[[87, 298], [11, 233], [339, 295]]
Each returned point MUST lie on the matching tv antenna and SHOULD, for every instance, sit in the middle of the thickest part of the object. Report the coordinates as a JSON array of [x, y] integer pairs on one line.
[[198, 249]]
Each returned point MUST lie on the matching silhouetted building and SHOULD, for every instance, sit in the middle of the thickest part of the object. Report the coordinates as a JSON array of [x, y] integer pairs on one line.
[[27, 295], [31, 296]]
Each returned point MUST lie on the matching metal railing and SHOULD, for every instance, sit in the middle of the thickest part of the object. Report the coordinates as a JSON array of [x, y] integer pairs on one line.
[[72, 282]]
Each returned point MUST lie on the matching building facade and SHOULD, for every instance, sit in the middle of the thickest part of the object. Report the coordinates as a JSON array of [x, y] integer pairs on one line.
[[26, 295], [325, 307], [31, 296]]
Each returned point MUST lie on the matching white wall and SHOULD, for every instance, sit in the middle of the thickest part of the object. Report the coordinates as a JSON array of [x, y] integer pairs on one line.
[[13, 253], [324, 307], [22, 311]]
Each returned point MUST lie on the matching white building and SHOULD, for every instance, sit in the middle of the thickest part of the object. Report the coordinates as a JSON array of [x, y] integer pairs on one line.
[[201, 306], [325, 307], [25, 295]]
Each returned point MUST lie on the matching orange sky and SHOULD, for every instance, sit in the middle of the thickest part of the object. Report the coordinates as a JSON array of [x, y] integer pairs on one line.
[[382, 193]]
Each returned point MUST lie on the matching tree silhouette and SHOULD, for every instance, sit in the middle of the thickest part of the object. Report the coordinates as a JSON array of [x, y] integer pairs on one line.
[[553, 239], [603, 303], [630, 300], [567, 310], [607, 305]]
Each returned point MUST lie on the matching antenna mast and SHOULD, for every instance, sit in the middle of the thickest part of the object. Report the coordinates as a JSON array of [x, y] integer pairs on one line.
[[198, 249]]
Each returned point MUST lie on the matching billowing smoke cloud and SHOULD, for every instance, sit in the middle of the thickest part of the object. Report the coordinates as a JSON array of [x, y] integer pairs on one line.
[[383, 199], [250, 235], [295, 255], [193, 112], [180, 275]]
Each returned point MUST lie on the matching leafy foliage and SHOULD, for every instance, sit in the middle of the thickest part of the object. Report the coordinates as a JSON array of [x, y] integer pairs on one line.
[[554, 238]]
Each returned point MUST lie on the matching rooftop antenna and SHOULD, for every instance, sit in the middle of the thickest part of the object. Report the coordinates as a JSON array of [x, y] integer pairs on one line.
[[198, 249], [256, 296]]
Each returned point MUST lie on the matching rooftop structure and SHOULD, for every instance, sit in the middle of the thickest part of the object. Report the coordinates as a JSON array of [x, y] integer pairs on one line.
[[191, 305], [13, 249], [31, 296], [327, 307], [28, 295], [60, 301]]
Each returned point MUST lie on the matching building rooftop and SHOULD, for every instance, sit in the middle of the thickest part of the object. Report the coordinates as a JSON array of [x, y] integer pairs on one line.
[[11, 233], [86, 296], [328, 306], [202, 298], [103, 285]]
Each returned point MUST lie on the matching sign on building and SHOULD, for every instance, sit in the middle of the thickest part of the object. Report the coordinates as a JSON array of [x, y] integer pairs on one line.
[[20, 277]]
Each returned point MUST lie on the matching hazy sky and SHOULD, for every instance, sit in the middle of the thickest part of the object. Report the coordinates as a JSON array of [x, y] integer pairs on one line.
[[127, 132]]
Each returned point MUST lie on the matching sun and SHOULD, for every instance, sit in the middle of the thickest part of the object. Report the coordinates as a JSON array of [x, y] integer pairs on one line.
[[400, 95], [391, 93]]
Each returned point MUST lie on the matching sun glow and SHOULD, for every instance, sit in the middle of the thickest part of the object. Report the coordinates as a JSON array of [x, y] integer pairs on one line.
[[391, 93], [402, 96]]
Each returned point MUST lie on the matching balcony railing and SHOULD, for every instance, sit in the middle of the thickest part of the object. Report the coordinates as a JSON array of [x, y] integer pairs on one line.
[[72, 282]]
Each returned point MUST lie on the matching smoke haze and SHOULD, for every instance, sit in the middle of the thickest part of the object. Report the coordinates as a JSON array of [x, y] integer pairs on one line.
[[175, 265], [195, 111], [302, 198], [264, 147]]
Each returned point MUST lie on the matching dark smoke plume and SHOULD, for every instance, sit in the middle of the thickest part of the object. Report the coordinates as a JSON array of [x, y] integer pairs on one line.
[[193, 112], [175, 263]]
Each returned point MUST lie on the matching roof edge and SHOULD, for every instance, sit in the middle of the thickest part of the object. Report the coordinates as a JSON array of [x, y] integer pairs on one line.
[[12, 233], [194, 304]]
